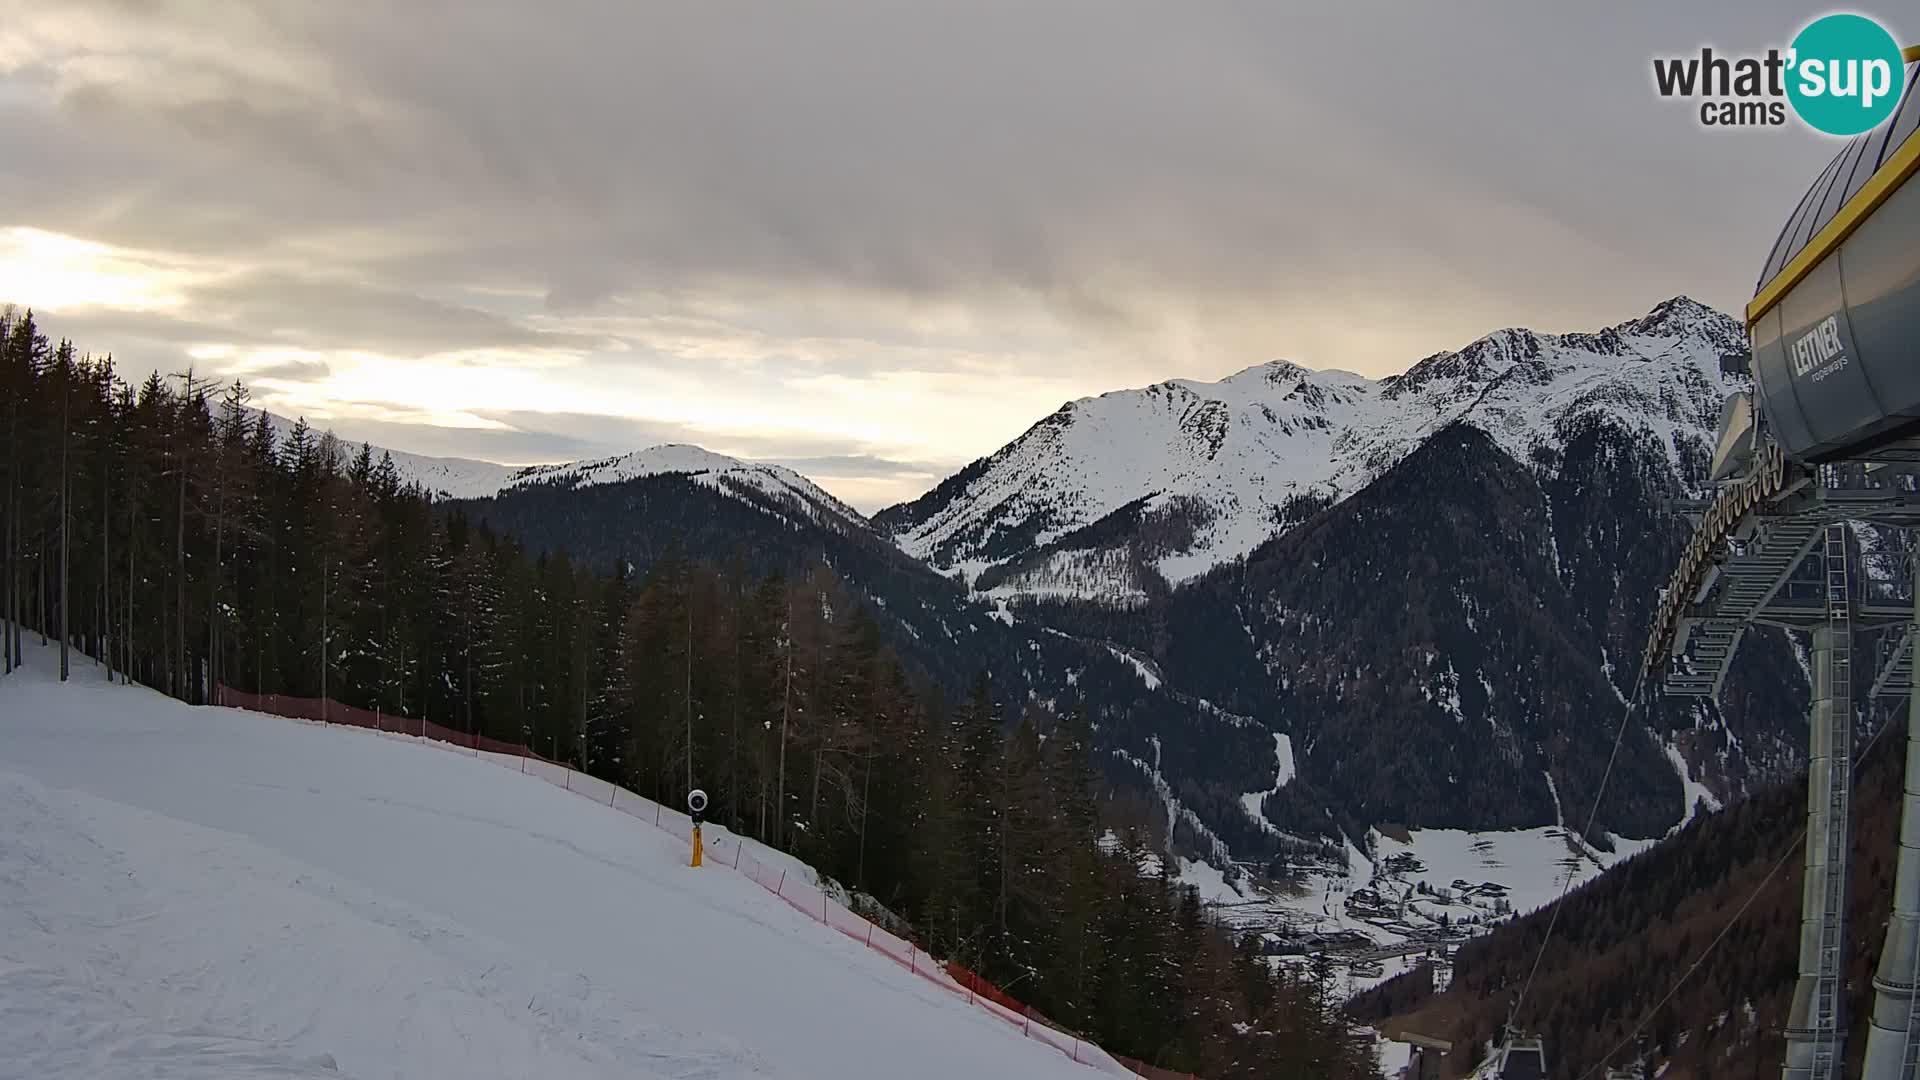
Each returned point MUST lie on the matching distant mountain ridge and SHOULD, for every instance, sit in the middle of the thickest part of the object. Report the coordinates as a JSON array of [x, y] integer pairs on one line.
[[1428, 584], [439, 477], [1171, 480], [1431, 584], [447, 478]]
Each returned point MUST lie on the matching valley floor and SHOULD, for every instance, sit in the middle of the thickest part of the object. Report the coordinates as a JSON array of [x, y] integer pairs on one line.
[[199, 892]]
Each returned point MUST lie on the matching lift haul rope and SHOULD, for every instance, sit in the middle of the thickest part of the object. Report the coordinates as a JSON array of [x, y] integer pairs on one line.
[[1720, 521], [1722, 517], [1772, 478], [1553, 918]]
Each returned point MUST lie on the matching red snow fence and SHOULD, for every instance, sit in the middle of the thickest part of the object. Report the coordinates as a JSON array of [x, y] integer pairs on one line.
[[1152, 1072], [328, 711], [980, 987], [771, 871]]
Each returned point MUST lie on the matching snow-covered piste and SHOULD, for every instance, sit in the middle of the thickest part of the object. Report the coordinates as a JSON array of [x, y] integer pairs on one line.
[[204, 892]]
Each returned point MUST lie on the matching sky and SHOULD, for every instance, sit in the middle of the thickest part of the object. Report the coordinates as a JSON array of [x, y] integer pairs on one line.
[[871, 239]]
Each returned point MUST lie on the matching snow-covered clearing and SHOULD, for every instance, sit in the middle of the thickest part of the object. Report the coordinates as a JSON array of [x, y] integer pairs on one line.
[[1393, 1056], [1210, 881], [208, 892], [1147, 675], [1353, 984], [1529, 864], [1283, 772], [1693, 790], [1505, 873]]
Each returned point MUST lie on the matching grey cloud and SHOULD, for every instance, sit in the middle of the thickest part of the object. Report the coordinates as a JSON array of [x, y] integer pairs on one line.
[[319, 313], [262, 310], [558, 435], [862, 465], [288, 371], [101, 328], [542, 436], [1224, 178], [485, 444]]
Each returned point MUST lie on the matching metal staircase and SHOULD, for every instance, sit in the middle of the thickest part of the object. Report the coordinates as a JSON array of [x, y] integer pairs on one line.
[[1767, 561], [1896, 667], [1746, 581]]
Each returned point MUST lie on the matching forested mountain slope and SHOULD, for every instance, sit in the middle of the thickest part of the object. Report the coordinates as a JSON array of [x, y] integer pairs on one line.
[[1150, 737], [1435, 585]]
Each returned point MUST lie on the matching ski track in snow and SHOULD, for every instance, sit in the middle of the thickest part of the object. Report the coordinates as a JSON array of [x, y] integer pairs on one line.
[[1284, 771], [191, 892], [1693, 790], [1140, 668]]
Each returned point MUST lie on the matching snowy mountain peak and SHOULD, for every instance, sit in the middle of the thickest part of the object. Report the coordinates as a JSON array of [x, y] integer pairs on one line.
[[1473, 366], [1681, 316], [702, 466], [464, 478], [440, 477], [1273, 371], [1186, 474], [669, 457]]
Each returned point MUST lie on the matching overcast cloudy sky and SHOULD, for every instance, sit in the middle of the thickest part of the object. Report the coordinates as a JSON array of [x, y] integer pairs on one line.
[[874, 239]]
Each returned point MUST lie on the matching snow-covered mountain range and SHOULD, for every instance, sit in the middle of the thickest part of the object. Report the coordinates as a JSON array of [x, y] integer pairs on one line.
[[769, 483], [1110, 493], [464, 478], [1378, 572], [1193, 474]]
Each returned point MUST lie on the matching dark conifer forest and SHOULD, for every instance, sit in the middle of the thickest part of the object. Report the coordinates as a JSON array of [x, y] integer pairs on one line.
[[167, 534]]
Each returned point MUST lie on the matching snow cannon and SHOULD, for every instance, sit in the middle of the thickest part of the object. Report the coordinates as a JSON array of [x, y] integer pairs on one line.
[[1835, 319], [696, 806]]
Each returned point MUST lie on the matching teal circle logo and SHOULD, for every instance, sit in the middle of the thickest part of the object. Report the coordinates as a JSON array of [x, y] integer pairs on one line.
[[1845, 75]]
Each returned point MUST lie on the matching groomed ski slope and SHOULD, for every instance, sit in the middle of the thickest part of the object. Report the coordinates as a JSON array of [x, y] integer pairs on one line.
[[199, 892]]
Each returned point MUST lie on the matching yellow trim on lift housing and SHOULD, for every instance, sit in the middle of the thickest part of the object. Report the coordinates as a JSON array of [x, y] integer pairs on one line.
[[1892, 173]]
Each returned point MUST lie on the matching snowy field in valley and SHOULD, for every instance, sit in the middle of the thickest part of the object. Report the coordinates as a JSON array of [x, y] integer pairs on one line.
[[1531, 864], [1378, 912], [210, 893]]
